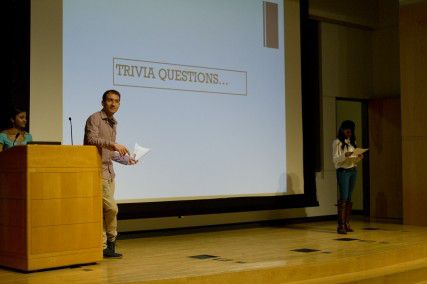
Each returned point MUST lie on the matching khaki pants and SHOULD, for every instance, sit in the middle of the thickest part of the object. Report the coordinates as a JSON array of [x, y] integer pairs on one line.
[[109, 211]]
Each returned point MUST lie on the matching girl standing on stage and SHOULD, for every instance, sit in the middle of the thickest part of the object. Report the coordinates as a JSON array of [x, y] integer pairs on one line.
[[345, 165]]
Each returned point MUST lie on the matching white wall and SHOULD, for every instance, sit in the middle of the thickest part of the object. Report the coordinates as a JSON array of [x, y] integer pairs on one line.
[[356, 12], [385, 36], [346, 68], [46, 70], [360, 60]]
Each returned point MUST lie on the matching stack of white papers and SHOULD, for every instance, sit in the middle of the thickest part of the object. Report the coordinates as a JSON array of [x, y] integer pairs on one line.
[[140, 152], [357, 152], [354, 158], [137, 154]]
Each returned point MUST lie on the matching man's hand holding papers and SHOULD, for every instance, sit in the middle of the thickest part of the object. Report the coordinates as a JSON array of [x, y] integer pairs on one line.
[[133, 158]]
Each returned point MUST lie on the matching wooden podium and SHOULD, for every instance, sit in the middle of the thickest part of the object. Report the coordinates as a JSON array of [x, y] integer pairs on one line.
[[50, 206]]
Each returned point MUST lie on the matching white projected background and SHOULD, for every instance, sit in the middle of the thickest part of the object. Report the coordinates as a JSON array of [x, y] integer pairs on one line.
[[215, 125]]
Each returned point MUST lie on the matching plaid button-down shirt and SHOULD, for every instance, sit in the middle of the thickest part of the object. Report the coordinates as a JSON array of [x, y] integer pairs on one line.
[[100, 131]]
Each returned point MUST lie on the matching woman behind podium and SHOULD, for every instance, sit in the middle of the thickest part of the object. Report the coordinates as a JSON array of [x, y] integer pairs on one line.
[[16, 134]]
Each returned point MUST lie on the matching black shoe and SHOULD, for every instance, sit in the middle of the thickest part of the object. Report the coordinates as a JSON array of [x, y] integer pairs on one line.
[[110, 251]]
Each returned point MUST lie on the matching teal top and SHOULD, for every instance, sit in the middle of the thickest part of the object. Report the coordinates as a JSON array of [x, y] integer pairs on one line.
[[7, 143]]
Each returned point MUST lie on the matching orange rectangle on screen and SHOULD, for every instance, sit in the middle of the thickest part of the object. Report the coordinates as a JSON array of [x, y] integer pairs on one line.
[[271, 25]]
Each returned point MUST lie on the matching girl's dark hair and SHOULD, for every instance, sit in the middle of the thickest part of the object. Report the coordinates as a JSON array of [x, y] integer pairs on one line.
[[347, 124], [15, 111]]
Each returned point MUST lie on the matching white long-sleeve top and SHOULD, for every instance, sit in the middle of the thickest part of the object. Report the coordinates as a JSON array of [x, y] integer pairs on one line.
[[338, 155]]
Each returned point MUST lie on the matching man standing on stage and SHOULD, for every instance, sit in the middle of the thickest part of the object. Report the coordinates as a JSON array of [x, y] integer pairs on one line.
[[100, 131]]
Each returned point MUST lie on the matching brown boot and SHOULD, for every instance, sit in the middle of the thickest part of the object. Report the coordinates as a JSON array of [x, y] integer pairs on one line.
[[348, 210], [341, 217]]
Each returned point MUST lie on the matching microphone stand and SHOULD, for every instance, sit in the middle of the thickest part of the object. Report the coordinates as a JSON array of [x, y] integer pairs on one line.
[[71, 127], [16, 137]]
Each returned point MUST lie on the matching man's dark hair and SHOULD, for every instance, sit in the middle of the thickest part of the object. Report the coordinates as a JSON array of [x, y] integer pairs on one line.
[[104, 96]]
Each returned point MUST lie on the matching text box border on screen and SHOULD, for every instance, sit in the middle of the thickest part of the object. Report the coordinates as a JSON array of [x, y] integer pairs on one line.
[[182, 65]]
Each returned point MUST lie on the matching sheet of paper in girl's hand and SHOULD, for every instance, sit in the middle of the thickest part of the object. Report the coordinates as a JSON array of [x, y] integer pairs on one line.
[[358, 151]]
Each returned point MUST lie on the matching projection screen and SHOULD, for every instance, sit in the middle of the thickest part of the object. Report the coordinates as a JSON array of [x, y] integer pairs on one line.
[[202, 85]]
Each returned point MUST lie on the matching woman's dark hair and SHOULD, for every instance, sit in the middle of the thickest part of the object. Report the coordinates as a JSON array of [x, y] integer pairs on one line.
[[347, 124], [10, 113], [104, 96], [15, 111]]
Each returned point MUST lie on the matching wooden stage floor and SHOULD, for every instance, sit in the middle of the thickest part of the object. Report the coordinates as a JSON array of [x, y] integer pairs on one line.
[[301, 253]]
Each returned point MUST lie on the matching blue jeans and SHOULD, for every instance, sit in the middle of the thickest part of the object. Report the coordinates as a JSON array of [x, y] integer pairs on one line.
[[346, 179]]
